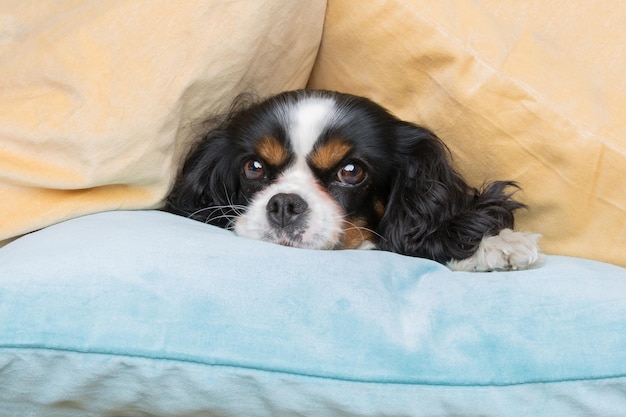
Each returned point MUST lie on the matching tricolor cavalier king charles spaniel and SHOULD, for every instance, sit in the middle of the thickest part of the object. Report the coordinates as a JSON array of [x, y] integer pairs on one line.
[[325, 170]]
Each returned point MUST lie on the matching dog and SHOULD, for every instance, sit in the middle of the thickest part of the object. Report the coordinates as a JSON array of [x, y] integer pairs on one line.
[[320, 169]]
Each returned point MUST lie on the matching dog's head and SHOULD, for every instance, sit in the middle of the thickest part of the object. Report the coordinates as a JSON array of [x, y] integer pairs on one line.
[[325, 170]]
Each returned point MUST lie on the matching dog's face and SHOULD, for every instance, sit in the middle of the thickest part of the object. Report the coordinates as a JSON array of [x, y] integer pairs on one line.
[[325, 170], [312, 171]]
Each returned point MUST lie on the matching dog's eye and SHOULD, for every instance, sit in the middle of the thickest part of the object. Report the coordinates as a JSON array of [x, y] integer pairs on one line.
[[351, 174], [253, 170]]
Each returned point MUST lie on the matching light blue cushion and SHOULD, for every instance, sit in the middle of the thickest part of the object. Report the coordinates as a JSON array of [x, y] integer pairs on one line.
[[146, 313]]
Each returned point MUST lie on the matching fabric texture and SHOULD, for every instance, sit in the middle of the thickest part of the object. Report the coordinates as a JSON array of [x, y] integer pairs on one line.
[[147, 313], [531, 91], [99, 99]]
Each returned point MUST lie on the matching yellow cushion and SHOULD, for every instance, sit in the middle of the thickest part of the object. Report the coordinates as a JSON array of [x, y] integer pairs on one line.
[[531, 91], [97, 99]]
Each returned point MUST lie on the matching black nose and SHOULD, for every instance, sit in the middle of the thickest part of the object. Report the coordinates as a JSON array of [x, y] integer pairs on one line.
[[285, 209]]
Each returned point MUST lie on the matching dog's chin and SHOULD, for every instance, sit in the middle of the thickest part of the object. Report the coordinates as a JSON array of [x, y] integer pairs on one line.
[[298, 242], [283, 240], [307, 240]]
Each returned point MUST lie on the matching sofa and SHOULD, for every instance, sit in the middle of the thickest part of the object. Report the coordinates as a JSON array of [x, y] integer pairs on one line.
[[111, 307]]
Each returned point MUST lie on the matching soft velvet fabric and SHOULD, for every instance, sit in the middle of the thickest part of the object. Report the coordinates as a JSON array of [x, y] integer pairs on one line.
[[147, 313], [98, 99], [532, 91]]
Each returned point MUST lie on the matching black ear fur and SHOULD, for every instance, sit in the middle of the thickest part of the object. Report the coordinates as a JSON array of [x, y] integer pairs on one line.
[[207, 188], [431, 211]]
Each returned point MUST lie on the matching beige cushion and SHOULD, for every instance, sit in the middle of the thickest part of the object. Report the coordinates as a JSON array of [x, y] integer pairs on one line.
[[532, 91], [96, 97]]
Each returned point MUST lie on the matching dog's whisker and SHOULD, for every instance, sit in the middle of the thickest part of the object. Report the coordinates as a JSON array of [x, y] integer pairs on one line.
[[224, 209], [223, 216], [229, 199], [361, 229]]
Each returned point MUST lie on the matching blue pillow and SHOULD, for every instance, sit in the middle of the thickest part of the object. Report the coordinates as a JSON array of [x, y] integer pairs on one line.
[[146, 313]]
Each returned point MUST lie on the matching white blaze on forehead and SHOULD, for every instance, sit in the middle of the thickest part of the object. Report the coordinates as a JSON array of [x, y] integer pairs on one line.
[[307, 120]]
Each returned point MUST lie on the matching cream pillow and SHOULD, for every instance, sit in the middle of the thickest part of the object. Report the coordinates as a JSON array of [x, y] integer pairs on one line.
[[531, 91], [97, 99]]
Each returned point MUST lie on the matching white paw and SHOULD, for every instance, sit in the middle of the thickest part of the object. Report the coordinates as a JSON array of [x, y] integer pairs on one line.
[[507, 251]]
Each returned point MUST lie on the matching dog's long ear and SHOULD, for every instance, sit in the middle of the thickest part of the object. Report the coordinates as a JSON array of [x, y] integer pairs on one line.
[[207, 185], [431, 211]]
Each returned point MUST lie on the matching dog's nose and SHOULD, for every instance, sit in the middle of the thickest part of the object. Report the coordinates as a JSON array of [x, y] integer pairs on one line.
[[285, 209]]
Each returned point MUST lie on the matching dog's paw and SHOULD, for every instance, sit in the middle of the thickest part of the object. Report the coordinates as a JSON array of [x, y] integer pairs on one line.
[[507, 251]]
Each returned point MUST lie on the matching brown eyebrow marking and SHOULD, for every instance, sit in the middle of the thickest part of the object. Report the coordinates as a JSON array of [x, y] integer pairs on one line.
[[329, 154], [271, 150]]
